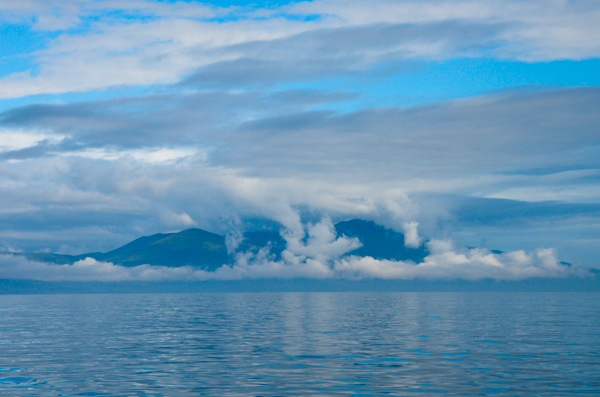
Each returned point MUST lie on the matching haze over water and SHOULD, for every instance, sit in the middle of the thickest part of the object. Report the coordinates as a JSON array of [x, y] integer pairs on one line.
[[272, 344]]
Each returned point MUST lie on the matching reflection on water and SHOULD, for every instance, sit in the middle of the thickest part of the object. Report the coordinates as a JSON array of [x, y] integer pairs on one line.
[[300, 344]]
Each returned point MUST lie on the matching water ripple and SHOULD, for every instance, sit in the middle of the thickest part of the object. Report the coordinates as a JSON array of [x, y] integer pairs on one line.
[[409, 344]]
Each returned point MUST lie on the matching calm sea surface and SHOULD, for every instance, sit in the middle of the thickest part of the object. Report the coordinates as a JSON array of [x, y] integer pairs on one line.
[[278, 344]]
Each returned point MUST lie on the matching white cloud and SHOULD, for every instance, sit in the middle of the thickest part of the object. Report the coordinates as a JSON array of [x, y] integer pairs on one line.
[[18, 267], [179, 38], [317, 255], [147, 155], [323, 255], [569, 192], [411, 234], [21, 139], [233, 240], [445, 262], [174, 220]]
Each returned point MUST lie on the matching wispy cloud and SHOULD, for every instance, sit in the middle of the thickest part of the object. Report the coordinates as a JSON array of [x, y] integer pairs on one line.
[[107, 44]]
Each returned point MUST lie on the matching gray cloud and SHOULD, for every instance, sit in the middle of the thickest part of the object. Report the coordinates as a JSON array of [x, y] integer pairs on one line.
[[496, 134], [344, 51], [155, 120], [504, 133], [502, 212], [273, 156]]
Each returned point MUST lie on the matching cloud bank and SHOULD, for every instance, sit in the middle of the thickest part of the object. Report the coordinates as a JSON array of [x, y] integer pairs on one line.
[[319, 254], [444, 264]]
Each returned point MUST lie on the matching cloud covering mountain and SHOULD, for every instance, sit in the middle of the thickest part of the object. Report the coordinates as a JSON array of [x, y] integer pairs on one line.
[[476, 120], [348, 250]]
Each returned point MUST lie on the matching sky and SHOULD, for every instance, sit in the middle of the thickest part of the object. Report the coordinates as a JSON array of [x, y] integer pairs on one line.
[[460, 123]]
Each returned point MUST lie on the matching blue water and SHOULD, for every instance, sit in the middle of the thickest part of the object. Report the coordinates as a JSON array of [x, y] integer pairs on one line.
[[319, 344]]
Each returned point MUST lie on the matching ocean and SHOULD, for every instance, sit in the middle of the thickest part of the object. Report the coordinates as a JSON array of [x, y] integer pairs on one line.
[[291, 344]]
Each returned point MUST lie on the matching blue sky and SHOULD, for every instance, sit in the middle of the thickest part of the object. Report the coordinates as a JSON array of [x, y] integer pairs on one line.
[[476, 120]]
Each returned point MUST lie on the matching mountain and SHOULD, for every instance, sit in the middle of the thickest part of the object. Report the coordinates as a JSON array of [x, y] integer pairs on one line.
[[194, 247], [379, 242], [208, 251]]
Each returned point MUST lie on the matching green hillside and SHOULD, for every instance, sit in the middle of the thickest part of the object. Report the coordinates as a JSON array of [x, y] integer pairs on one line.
[[205, 250], [194, 247]]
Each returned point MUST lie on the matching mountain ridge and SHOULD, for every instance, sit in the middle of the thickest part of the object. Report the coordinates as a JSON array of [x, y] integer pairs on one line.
[[208, 251]]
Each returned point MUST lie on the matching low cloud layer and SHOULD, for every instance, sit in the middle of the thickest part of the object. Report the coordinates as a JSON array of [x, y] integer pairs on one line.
[[318, 254]]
